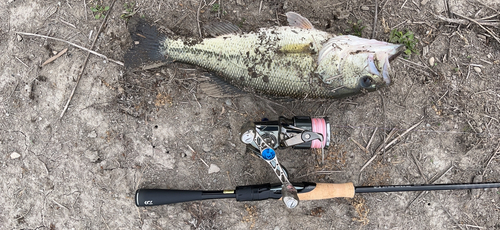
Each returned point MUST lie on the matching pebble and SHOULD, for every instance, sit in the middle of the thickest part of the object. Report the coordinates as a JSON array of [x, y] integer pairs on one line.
[[19, 38], [240, 2], [431, 61], [365, 8], [92, 134], [213, 169], [93, 156], [188, 152], [14, 155], [477, 69], [206, 147], [229, 102]]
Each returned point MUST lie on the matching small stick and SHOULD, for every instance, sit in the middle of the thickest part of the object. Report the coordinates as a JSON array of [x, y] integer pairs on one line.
[[491, 158], [22, 62], [86, 60], [260, 6], [55, 57], [402, 59], [479, 24], [389, 144], [73, 44], [375, 20], [431, 181], [389, 136], [196, 99], [85, 7], [400, 136], [371, 139], [198, 17], [67, 23], [204, 162], [360, 146]]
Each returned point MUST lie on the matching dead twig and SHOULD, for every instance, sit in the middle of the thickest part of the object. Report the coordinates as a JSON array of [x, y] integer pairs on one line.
[[360, 146], [375, 20], [21, 62], [491, 158], [86, 60], [55, 57], [383, 148], [431, 181], [479, 24], [198, 17], [465, 22], [72, 44]]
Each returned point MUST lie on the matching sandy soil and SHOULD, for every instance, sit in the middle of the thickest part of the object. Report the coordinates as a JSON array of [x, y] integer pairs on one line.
[[156, 129]]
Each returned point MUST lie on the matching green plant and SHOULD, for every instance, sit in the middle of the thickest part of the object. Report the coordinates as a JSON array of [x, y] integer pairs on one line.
[[356, 28], [129, 10], [215, 7], [240, 24], [100, 11], [406, 38]]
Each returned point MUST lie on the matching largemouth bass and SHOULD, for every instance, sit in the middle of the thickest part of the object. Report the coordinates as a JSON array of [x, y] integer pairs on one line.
[[295, 61]]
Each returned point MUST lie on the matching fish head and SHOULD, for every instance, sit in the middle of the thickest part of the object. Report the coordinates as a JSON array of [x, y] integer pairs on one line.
[[352, 64]]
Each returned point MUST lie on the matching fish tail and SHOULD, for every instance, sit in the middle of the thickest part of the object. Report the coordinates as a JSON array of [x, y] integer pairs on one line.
[[148, 44]]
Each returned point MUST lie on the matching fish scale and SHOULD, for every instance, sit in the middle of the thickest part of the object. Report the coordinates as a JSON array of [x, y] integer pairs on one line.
[[291, 61], [259, 60]]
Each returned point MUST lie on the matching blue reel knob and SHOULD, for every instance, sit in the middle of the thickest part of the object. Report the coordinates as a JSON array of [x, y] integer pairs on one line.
[[268, 154]]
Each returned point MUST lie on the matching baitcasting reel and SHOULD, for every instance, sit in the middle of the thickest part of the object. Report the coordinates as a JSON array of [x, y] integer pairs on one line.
[[300, 132]]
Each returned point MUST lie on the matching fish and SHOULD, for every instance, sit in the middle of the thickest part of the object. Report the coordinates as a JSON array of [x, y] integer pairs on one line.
[[294, 61]]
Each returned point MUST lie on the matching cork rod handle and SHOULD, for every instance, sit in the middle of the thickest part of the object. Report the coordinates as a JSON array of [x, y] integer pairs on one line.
[[328, 191]]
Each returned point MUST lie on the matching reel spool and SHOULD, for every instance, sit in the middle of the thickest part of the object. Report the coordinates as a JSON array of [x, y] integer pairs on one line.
[[299, 132]]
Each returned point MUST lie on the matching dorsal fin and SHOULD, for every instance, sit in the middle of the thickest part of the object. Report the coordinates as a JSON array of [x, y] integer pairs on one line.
[[297, 20], [216, 29]]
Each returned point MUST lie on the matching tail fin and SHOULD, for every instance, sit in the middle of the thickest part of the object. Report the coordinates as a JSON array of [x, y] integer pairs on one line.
[[147, 46]]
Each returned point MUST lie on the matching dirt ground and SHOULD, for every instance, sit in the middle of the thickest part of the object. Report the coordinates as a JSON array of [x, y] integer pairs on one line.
[[156, 129]]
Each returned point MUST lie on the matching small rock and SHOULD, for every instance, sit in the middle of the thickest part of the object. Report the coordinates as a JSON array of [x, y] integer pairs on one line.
[[19, 38], [229, 102], [240, 2], [188, 152], [425, 50], [93, 156], [482, 37], [423, 2], [206, 147], [431, 61], [92, 134], [477, 69], [213, 169], [365, 8], [14, 155]]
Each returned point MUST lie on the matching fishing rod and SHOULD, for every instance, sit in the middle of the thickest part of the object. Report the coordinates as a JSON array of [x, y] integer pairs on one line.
[[263, 138], [305, 191]]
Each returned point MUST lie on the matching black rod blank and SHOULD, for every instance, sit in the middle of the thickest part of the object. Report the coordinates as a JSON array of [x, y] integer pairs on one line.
[[424, 187]]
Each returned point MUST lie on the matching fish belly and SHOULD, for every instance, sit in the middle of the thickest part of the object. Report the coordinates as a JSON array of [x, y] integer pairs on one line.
[[275, 61]]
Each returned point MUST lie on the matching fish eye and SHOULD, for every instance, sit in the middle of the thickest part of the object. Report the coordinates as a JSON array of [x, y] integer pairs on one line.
[[366, 81]]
